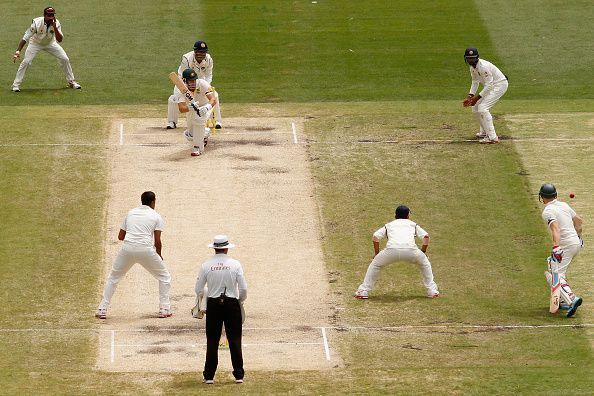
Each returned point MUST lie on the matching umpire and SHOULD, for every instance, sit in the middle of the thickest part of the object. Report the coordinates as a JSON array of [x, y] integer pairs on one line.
[[227, 290]]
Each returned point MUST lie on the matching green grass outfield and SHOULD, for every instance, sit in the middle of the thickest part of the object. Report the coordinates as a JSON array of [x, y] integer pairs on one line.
[[361, 71]]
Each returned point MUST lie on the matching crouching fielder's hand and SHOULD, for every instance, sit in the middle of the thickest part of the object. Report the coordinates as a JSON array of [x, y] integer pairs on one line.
[[468, 101]]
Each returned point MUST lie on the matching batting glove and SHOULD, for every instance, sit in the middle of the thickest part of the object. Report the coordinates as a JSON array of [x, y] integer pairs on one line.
[[203, 110], [557, 254]]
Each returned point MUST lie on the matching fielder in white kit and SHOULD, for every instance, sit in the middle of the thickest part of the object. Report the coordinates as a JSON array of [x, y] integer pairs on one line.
[[44, 35], [198, 111], [494, 86], [201, 62], [141, 232], [401, 246], [566, 231]]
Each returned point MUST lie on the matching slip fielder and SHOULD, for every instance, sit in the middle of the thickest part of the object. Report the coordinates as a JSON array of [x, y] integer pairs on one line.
[[494, 87], [44, 34]]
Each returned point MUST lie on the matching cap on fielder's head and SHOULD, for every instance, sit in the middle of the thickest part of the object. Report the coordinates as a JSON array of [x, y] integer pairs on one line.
[[50, 11], [471, 54], [547, 190], [200, 46], [189, 74], [402, 212], [221, 242]]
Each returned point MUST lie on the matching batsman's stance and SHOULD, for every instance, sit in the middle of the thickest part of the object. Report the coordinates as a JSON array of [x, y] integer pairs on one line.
[[494, 86], [201, 62], [401, 246], [566, 231], [201, 107]]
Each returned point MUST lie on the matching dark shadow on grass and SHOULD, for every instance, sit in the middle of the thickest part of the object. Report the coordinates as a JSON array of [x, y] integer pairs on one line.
[[395, 298]]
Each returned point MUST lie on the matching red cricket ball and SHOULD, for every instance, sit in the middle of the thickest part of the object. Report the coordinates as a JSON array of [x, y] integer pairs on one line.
[[571, 195]]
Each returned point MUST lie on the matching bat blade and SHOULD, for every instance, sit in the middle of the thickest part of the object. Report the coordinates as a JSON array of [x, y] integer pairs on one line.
[[179, 83], [555, 292]]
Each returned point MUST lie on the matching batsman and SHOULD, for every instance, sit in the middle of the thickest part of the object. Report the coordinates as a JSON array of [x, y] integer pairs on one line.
[[566, 231], [197, 105]]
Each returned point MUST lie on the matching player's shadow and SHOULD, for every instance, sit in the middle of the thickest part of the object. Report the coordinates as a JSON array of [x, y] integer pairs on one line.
[[41, 90], [394, 298]]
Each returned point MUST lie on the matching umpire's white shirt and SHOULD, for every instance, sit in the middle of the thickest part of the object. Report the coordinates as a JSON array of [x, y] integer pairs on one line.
[[401, 233], [223, 275], [563, 214], [140, 225], [487, 74], [203, 69], [40, 33]]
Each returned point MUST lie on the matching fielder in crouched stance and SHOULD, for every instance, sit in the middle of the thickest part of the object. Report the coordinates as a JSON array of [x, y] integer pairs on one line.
[[201, 108], [141, 233], [401, 246], [566, 231]]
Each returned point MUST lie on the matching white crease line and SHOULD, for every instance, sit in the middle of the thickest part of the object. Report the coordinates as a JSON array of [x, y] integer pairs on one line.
[[243, 344], [112, 353], [294, 133], [311, 328], [326, 348], [121, 134]]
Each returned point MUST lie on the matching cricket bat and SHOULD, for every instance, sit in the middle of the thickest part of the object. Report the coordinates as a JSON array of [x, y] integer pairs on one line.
[[555, 292], [179, 83]]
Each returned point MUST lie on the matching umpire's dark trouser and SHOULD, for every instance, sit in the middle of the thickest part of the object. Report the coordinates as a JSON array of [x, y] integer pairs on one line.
[[218, 311]]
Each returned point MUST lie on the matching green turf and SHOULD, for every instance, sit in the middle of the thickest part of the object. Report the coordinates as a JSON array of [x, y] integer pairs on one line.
[[369, 71]]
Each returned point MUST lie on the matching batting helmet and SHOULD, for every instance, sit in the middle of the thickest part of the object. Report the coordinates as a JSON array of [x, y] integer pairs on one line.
[[200, 46], [471, 54], [189, 74], [547, 190]]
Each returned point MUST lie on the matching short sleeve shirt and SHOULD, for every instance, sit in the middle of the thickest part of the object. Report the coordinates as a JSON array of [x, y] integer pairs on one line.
[[40, 33], [401, 233], [140, 225], [202, 88], [563, 214]]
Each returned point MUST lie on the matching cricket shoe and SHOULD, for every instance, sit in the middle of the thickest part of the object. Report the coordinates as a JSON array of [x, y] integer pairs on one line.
[[188, 135], [200, 314], [74, 85], [171, 125], [208, 382], [564, 307], [481, 135], [196, 152], [16, 88], [164, 313], [486, 140], [362, 294], [574, 306], [433, 295], [101, 313], [239, 380], [218, 125]]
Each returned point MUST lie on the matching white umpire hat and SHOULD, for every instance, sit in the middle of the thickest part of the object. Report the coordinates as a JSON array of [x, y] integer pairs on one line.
[[221, 242]]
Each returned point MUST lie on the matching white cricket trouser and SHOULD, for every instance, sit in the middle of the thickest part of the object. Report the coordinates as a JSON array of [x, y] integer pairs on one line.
[[173, 109], [147, 257], [392, 255], [569, 252], [53, 48], [481, 108], [196, 127]]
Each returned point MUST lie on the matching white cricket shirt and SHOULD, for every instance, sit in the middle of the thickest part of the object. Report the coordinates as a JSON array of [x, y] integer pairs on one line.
[[223, 275], [563, 214], [203, 69], [487, 74], [40, 33], [140, 225], [401, 233], [202, 88]]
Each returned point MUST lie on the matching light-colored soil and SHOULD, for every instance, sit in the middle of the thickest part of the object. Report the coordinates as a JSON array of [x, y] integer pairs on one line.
[[254, 185]]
